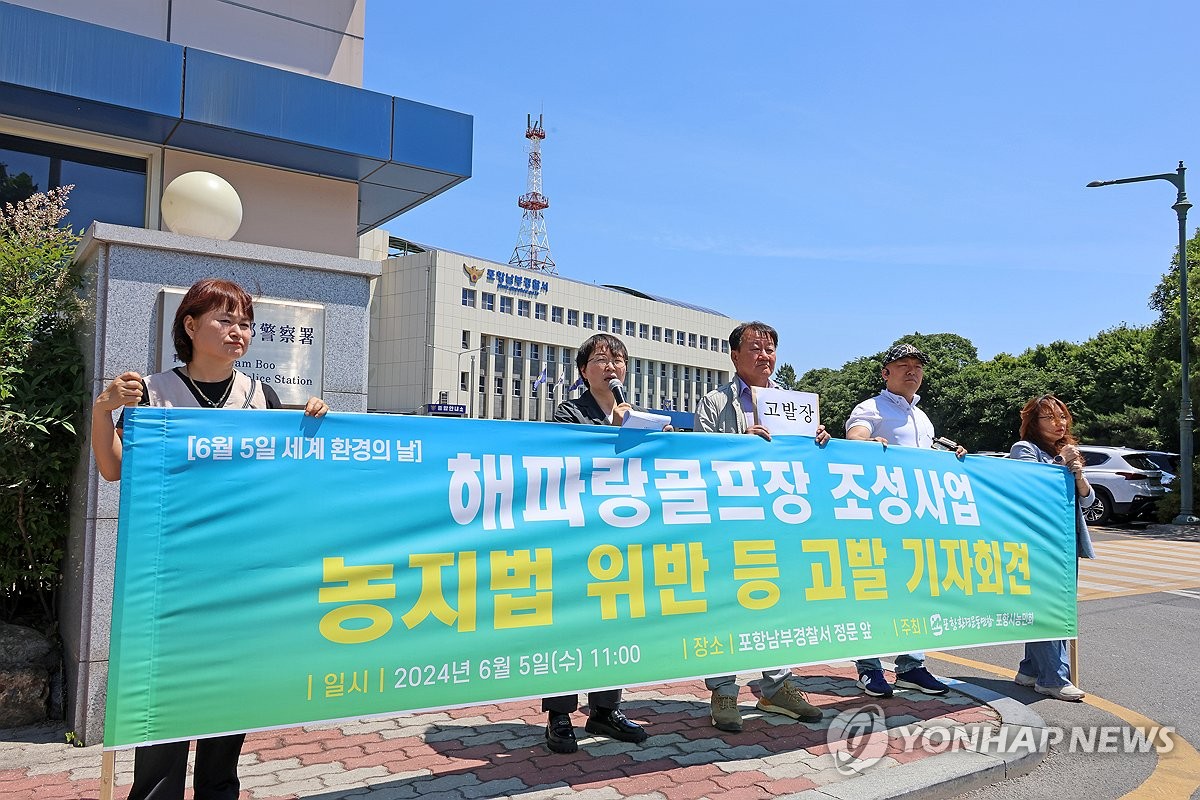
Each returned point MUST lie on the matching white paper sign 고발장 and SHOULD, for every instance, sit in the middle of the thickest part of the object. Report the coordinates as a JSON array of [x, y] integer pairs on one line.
[[782, 411]]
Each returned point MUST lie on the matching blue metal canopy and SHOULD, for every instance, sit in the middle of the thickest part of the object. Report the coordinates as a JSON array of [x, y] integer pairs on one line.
[[74, 74]]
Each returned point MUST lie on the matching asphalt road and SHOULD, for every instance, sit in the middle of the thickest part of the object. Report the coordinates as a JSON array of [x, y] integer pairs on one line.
[[1138, 651]]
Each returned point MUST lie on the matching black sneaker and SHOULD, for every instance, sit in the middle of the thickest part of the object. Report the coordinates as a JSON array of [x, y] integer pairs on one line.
[[921, 680], [560, 734], [612, 723], [873, 683]]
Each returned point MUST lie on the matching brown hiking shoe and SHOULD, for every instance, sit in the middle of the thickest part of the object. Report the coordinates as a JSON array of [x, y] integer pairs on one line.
[[790, 700], [725, 713]]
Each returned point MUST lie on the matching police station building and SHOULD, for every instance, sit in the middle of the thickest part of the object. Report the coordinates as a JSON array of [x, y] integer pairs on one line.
[[456, 335]]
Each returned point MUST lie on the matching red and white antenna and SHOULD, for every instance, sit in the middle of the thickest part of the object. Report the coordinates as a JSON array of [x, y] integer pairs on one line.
[[533, 246]]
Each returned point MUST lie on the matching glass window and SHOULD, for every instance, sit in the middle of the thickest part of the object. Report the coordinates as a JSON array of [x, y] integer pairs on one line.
[[466, 340], [691, 340], [506, 305], [643, 331], [535, 353], [518, 349], [656, 333], [556, 314], [566, 359], [589, 320], [516, 387], [498, 346], [539, 311], [662, 369], [679, 338], [616, 328], [468, 298], [602, 323], [703, 342], [108, 187], [725, 346], [551, 352], [489, 301], [630, 328], [499, 385], [637, 366], [572, 317], [669, 336], [464, 381], [522, 308]]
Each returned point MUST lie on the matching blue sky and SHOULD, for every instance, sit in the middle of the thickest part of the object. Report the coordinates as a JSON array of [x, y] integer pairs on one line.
[[848, 173]]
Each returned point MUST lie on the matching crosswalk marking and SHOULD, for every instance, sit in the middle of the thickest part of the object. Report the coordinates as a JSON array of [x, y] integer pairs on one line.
[[1130, 566], [1154, 555]]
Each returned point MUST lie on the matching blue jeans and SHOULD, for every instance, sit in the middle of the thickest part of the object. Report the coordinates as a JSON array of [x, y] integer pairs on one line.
[[1047, 662], [772, 682], [904, 662]]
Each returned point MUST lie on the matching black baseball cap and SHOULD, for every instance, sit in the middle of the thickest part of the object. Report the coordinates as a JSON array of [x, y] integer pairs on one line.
[[904, 350]]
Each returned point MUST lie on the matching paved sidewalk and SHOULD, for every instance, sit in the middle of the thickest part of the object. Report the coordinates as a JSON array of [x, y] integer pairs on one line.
[[498, 751]]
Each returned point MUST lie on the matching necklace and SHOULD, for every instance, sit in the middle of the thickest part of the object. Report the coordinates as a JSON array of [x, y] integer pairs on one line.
[[200, 393]]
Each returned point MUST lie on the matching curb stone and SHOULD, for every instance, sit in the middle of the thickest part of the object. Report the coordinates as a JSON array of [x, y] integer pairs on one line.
[[952, 773]]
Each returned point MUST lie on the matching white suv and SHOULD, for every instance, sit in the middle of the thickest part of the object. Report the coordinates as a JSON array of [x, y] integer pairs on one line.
[[1127, 482]]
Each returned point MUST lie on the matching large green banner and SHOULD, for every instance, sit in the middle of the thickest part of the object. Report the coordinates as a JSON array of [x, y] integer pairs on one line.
[[275, 570]]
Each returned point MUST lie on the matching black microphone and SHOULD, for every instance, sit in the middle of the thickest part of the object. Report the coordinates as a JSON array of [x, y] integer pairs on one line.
[[618, 390]]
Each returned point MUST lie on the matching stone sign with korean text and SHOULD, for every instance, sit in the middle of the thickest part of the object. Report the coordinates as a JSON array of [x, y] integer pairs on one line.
[[286, 351]]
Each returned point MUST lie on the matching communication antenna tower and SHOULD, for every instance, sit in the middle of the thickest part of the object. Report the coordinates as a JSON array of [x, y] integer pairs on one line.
[[533, 246]]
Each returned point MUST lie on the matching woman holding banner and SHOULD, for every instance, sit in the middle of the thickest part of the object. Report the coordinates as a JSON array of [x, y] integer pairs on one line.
[[1046, 437], [212, 330], [601, 361]]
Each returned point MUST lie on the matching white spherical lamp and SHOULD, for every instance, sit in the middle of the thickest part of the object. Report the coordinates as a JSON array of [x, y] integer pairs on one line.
[[202, 204]]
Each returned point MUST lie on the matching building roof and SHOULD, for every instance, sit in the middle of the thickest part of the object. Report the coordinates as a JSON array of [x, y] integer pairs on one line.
[[78, 75]]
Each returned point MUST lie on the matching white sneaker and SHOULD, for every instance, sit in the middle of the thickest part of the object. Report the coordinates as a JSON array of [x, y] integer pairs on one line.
[[1069, 692], [1024, 680]]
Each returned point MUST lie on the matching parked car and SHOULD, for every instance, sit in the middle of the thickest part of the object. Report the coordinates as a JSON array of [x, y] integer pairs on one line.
[[1128, 483], [1167, 462]]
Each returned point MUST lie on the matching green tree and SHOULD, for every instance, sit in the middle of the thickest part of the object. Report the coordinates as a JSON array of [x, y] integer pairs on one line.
[[785, 376], [42, 399], [1164, 344], [1106, 382]]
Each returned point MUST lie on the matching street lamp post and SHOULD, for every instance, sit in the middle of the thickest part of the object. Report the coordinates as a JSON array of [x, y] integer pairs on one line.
[[1186, 420], [470, 381]]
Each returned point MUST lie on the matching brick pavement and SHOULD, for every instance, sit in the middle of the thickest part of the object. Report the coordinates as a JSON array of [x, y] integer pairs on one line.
[[498, 751]]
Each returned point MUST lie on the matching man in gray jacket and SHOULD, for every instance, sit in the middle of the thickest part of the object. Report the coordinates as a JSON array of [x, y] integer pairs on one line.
[[730, 409]]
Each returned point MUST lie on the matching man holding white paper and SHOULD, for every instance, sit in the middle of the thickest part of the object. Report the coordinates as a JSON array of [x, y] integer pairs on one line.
[[892, 417], [730, 409]]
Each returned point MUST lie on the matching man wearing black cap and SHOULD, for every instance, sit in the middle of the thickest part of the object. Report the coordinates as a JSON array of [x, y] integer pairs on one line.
[[892, 417]]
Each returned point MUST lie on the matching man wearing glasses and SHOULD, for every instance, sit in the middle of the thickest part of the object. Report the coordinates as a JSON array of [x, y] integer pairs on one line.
[[730, 409], [892, 417]]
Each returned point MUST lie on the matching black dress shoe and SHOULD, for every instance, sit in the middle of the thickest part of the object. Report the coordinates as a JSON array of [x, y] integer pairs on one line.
[[560, 734], [612, 723]]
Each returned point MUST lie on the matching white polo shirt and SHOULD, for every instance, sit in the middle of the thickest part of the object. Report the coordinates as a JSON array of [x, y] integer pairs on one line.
[[891, 416]]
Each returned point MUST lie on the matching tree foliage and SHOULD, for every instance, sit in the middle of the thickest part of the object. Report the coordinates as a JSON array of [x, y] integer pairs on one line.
[[1107, 382], [1164, 345], [785, 376], [42, 398]]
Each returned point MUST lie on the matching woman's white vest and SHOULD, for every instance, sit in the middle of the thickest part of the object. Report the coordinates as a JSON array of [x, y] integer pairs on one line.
[[169, 389]]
